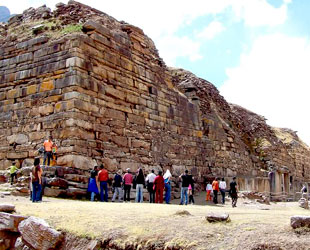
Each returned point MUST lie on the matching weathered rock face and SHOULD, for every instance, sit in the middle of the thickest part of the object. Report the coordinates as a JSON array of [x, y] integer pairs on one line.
[[105, 95], [39, 235]]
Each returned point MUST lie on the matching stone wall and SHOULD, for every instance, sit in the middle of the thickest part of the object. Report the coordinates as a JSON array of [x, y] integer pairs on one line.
[[106, 96]]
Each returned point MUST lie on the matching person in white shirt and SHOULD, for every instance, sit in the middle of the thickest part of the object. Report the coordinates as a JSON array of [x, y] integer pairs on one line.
[[209, 190], [222, 186], [150, 182]]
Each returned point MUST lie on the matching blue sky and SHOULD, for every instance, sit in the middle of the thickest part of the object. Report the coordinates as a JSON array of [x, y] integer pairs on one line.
[[257, 52]]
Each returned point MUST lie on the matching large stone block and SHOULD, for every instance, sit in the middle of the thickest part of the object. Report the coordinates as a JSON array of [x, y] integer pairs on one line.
[[39, 235], [18, 139], [17, 155], [47, 85], [76, 161], [10, 222]]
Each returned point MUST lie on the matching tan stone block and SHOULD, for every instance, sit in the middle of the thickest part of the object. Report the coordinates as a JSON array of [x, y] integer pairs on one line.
[[32, 89], [17, 155], [46, 109], [110, 91], [140, 144], [132, 165], [118, 107], [136, 119], [132, 99], [13, 93], [54, 98], [2, 96], [120, 141], [36, 136], [47, 85]]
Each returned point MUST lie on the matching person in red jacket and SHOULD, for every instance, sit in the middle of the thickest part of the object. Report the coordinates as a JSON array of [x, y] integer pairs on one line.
[[159, 185]]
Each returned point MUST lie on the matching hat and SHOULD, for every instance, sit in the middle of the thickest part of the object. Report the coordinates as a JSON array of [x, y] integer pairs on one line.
[[127, 169]]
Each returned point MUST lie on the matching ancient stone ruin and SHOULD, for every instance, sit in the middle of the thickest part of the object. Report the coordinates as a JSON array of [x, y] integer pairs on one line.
[[99, 87]]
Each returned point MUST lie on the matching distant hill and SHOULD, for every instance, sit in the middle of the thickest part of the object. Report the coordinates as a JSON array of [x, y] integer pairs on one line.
[[4, 14]]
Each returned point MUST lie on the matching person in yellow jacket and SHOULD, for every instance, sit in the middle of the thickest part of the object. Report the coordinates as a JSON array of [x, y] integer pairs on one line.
[[13, 172]]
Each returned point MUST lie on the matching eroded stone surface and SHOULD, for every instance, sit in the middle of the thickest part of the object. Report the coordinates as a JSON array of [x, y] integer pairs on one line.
[[39, 235]]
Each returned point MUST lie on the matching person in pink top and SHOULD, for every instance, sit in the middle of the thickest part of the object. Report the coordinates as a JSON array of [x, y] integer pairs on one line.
[[127, 180]]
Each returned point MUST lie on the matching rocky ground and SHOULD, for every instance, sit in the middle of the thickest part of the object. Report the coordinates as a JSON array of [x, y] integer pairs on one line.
[[155, 226]]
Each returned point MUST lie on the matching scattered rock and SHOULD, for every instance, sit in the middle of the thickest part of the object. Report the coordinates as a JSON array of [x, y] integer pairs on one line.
[[57, 182], [10, 222], [182, 213], [298, 221], [7, 208], [39, 235], [217, 217], [303, 202]]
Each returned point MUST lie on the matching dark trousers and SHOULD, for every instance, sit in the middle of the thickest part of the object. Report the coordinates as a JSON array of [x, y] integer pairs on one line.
[[12, 177], [215, 196], [36, 191], [48, 155], [234, 198], [127, 192], [191, 199], [104, 187], [223, 195], [151, 192]]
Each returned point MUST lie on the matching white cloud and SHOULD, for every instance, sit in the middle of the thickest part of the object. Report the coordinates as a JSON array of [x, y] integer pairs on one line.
[[173, 47], [259, 12], [161, 20], [273, 80], [212, 30]]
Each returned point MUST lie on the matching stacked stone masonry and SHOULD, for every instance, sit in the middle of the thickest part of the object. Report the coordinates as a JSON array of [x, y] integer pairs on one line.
[[106, 96]]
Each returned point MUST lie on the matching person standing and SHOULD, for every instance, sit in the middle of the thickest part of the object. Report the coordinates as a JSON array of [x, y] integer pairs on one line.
[[233, 192], [222, 186], [48, 144], [209, 190], [150, 184], [215, 187], [117, 184], [127, 179], [167, 179], [185, 178], [36, 180], [159, 185], [190, 195], [13, 172], [140, 183], [103, 177], [93, 183]]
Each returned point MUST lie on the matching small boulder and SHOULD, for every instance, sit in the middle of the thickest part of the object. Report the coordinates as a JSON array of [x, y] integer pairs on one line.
[[300, 221], [39, 235], [7, 208], [10, 222], [217, 217], [303, 203]]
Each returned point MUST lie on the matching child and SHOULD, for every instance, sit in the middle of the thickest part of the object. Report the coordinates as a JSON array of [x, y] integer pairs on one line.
[[13, 172], [208, 189], [190, 195], [54, 154]]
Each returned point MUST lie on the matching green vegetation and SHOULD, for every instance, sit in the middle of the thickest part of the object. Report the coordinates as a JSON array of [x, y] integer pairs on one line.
[[72, 28]]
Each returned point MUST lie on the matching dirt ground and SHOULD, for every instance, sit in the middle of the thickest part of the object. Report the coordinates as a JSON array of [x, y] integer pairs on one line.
[[252, 226]]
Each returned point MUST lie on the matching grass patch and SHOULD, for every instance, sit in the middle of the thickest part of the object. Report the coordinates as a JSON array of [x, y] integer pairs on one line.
[[72, 28]]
